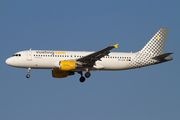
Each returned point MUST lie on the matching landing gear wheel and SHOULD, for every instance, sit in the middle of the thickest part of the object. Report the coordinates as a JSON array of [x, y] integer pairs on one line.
[[28, 75], [87, 74], [82, 79]]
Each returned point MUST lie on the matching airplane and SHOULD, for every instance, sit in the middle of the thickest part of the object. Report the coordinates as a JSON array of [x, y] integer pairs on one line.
[[66, 63]]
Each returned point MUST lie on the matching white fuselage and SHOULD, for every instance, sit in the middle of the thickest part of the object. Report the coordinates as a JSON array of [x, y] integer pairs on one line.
[[43, 59]]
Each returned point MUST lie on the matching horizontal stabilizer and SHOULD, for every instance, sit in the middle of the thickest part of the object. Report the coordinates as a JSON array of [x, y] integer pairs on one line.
[[161, 57]]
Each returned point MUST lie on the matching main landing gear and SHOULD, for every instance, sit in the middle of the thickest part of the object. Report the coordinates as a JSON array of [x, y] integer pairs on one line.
[[87, 75], [28, 75]]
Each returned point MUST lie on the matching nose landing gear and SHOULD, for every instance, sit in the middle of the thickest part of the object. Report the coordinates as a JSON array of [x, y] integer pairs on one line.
[[28, 75]]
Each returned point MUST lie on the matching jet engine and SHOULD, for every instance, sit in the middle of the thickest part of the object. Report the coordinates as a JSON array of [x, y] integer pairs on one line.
[[65, 65], [61, 74]]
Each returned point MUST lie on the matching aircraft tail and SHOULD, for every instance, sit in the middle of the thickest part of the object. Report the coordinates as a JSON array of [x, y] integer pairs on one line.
[[157, 43], [152, 52]]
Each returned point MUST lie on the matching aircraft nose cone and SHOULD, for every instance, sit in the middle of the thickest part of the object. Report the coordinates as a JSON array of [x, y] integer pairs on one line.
[[12, 62], [8, 61]]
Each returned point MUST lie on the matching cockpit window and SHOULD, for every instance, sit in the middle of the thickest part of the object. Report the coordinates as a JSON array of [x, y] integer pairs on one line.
[[18, 55]]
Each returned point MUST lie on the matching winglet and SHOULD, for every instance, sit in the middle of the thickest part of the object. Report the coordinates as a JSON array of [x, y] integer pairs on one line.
[[116, 46]]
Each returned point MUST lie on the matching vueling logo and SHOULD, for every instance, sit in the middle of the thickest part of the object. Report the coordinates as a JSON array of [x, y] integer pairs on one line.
[[50, 52], [58, 52]]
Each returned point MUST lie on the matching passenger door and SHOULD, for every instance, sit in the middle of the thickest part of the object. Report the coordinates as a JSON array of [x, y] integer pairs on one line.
[[29, 55]]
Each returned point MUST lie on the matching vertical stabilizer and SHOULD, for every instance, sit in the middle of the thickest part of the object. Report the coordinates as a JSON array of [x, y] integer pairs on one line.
[[153, 48], [157, 43]]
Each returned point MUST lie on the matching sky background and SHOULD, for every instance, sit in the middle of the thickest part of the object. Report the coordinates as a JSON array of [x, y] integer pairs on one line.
[[149, 93]]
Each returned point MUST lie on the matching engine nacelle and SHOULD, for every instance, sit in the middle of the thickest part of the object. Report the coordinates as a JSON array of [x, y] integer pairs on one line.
[[65, 65], [61, 74]]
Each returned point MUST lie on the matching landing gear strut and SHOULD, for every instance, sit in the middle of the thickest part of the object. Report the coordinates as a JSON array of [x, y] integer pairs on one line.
[[28, 75]]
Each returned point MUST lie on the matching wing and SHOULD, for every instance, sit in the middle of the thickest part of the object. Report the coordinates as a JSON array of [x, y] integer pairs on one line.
[[92, 58]]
